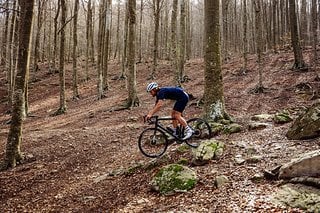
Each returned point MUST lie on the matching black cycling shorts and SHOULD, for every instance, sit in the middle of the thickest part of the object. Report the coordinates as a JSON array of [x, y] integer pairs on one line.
[[181, 104]]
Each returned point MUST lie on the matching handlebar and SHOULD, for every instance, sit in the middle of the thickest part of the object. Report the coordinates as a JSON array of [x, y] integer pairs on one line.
[[151, 120]]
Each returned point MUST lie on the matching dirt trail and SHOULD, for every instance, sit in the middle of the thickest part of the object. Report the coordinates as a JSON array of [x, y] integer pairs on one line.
[[91, 142]]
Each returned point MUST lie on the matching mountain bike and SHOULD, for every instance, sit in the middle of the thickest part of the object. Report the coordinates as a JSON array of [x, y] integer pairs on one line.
[[154, 141]]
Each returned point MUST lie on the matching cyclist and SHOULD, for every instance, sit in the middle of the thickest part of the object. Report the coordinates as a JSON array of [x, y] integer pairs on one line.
[[172, 93]]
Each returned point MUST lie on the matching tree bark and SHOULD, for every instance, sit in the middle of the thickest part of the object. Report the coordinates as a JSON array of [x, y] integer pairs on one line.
[[3, 56], [258, 22], [314, 30], [101, 34], [295, 40], [13, 150], [63, 106], [214, 108], [133, 100], [245, 36], [74, 52], [182, 43], [156, 14], [173, 41]]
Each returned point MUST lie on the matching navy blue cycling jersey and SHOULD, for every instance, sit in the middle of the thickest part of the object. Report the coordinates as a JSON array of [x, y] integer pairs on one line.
[[172, 93]]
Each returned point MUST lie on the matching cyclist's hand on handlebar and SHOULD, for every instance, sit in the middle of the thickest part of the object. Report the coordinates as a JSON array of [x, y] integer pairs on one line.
[[148, 117]]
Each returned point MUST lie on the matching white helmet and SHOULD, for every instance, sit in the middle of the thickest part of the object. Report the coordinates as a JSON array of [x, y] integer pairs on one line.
[[152, 86]]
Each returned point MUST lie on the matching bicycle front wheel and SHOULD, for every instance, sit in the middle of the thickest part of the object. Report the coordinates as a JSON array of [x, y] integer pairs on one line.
[[153, 142], [202, 131]]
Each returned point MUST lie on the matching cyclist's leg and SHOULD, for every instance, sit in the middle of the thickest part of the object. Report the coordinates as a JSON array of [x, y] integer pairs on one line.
[[178, 119], [178, 108], [174, 119]]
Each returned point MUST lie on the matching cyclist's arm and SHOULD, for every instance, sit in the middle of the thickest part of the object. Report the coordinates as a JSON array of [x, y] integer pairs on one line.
[[155, 109]]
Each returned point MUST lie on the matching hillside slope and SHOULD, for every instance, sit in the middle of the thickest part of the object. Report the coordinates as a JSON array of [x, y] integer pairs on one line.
[[77, 161]]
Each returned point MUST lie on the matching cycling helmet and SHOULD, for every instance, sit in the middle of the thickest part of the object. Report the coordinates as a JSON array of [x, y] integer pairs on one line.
[[152, 86]]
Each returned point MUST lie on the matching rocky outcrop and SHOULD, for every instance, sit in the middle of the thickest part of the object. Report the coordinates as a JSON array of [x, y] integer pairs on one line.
[[298, 196], [306, 165], [307, 125]]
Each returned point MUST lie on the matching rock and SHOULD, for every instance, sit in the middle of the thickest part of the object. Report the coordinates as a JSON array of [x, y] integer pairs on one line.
[[282, 117], [207, 150], [233, 128], [251, 150], [298, 196], [262, 117], [257, 177], [306, 165], [239, 159], [307, 125], [174, 178], [221, 180], [254, 159], [257, 125]]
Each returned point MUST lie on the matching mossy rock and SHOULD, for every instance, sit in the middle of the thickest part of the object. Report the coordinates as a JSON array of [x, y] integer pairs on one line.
[[282, 117], [207, 150], [174, 178], [233, 128]]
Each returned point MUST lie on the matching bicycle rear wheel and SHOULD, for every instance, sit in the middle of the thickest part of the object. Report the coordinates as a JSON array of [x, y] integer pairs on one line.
[[153, 142], [202, 131]]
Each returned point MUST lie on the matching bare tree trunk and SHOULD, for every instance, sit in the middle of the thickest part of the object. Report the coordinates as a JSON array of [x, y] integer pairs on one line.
[[140, 31], [41, 5], [63, 106], [157, 4], [125, 38], [225, 34], [214, 108], [55, 39], [274, 25], [92, 47], [101, 33], [11, 54], [182, 43], [245, 36], [188, 31], [133, 100], [3, 56], [13, 150], [303, 23], [117, 48], [173, 45], [88, 34], [74, 52], [106, 44], [257, 4], [298, 57], [314, 30]]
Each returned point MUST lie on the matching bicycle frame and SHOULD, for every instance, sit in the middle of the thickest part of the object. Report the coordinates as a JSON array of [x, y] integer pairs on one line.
[[158, 125]]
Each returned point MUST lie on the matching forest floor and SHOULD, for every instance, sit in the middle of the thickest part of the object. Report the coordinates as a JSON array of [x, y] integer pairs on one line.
[[79, 161]]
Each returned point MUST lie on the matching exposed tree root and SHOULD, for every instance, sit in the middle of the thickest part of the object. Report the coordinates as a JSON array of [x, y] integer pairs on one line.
[[301, 67], [258, 90], [60, 111]]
